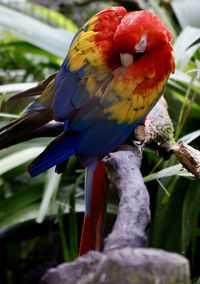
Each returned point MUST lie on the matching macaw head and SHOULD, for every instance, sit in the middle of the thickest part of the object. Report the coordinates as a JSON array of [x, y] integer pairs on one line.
[[140, 32]]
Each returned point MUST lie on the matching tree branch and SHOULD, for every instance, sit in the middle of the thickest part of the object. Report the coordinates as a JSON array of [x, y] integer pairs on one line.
[[123, 169], [158, 131], [189, 157], [122, 260]]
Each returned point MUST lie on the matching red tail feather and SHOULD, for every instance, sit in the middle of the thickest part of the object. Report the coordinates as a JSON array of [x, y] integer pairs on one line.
[[92, 225]]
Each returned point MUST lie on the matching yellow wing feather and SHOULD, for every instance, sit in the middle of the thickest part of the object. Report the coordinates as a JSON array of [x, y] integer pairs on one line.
[[85, 51]]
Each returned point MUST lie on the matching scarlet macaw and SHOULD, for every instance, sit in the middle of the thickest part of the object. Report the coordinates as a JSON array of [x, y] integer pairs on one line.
[[116, 68]]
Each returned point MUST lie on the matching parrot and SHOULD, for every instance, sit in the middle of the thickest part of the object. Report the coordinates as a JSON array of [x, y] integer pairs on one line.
[[115, 71]]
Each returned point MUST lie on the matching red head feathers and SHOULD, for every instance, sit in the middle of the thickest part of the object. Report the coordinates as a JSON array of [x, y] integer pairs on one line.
[[141, 31]]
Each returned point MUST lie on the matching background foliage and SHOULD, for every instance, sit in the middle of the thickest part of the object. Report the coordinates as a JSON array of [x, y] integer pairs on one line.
[[40, 218]]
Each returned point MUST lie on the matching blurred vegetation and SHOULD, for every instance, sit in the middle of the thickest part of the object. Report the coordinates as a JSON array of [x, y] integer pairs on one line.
[[40, 218]]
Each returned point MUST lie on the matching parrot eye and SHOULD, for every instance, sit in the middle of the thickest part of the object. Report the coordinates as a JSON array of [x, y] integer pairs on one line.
[[141, 45]]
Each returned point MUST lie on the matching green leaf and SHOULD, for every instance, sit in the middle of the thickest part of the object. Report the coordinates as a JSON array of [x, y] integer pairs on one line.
[[16, 159], [185, 79], [183, 46], [9, 206], [65, 249], [24, 214], [18, 87], [186, 107], [190, 137], [30, 212], [176, 170], [190, 215], [187, 12], [51, 187], [53, 16], [195, 107], [43, 14], [177, 216], [53, 40], [8, 115]]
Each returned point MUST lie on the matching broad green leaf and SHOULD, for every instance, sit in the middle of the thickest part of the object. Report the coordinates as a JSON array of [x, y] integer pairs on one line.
[[53, 40], [53, 16], [176, 86], [183, 49], [8, 115], [184, 78], [9, 206], [25, 214], [31, 213], [176, 170], [11, 44], [190, 137], [16, 159], [43, 14], [18, 87], [187, 12]]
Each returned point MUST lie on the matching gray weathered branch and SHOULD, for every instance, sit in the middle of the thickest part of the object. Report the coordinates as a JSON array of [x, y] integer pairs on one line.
[[123, 260], [123, 169]]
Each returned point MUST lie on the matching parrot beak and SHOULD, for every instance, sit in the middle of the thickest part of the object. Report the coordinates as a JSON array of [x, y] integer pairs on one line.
[[126, 59]]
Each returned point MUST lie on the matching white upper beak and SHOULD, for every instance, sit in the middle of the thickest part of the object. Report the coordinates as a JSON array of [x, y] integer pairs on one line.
[[126, 59]]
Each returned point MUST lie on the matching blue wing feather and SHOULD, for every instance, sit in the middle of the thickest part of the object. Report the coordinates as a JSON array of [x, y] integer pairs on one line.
[[96, 140], [102, 137], [86, 116], [62, 103], [81, 95], [56, 152]]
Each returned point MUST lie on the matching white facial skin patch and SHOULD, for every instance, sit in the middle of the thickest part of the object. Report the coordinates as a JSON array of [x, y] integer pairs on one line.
[[141, 45]]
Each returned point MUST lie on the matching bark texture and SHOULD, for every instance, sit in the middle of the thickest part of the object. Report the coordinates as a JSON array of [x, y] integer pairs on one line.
[[189, 157]]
